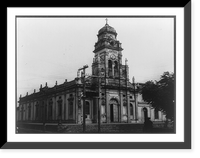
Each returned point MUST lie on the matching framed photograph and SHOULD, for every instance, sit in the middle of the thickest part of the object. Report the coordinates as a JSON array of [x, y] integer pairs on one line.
[[99, 78]]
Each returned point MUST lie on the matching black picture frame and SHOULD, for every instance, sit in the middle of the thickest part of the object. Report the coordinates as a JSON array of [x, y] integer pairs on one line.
[[129, 145]]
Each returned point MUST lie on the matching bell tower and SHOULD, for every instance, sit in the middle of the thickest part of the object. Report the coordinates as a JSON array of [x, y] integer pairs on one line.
[[108, 55]]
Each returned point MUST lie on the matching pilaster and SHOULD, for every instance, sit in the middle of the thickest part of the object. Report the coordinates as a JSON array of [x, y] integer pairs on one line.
[[34, 109], [63, 104], [121, 106], [128, 107], [67, 107], [107, 107], [26, 111], [54, 108], [136, 107], [96, 108], [32, 104]]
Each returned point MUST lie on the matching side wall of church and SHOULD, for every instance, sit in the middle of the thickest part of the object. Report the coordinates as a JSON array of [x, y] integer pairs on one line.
[[53, 107], [127, 110]]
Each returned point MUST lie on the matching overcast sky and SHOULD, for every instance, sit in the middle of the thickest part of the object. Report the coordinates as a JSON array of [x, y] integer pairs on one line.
[[53, 49]]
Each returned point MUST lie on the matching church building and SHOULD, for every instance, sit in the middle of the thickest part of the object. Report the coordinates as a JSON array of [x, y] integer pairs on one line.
[[107, 94]]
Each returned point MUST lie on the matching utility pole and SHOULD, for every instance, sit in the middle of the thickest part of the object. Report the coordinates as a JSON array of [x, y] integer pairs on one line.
[[133, 80], [84, 96], [98, 100], [99, 104], [44, 115], [126, 80]]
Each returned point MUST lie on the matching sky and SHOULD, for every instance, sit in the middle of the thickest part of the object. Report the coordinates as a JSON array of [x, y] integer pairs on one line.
[[53, 49]]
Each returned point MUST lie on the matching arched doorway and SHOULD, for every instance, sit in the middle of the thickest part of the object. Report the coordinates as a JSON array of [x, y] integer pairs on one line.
[[145, 111], [114, 110]]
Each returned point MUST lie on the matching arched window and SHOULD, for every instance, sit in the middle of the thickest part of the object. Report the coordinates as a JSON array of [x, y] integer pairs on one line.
[[109, 68], [50, 110], [116, 69], [29, 111], [37, 111], [87, 108], [70, 106], [22, 112], [60, 107]]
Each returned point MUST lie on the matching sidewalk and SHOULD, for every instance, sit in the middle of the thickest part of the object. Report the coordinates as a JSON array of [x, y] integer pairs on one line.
[[90, 128]]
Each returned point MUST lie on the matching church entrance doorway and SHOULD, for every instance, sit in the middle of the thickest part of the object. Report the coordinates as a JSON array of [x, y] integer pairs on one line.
[[114, 111], [145, 113]]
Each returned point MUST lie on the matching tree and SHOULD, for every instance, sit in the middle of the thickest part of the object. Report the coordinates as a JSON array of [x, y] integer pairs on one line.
[[160, 94]]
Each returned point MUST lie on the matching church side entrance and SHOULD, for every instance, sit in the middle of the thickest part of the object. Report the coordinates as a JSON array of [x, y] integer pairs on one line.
[[114, 111]]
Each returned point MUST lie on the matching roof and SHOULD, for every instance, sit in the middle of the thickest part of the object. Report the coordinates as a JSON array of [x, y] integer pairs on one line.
[[49, 90]]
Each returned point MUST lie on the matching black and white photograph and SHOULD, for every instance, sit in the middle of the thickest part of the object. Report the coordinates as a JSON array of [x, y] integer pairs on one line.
[[85, 75], [95, 74]]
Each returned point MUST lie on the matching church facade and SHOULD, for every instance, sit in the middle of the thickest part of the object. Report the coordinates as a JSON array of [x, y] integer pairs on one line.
[[107, 94]]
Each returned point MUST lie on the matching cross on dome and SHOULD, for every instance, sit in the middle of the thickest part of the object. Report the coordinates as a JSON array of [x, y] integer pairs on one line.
[[106, 21]]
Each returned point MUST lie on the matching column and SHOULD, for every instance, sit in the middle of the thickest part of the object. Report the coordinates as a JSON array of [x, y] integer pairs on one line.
[[152, 114], [159, 115]]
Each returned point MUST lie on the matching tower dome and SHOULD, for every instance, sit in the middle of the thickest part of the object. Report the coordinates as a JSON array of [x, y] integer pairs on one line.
[[107, 39], [107, 28]]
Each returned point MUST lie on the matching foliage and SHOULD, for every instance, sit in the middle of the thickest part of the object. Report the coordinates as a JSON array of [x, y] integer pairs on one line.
[[160, 94]]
